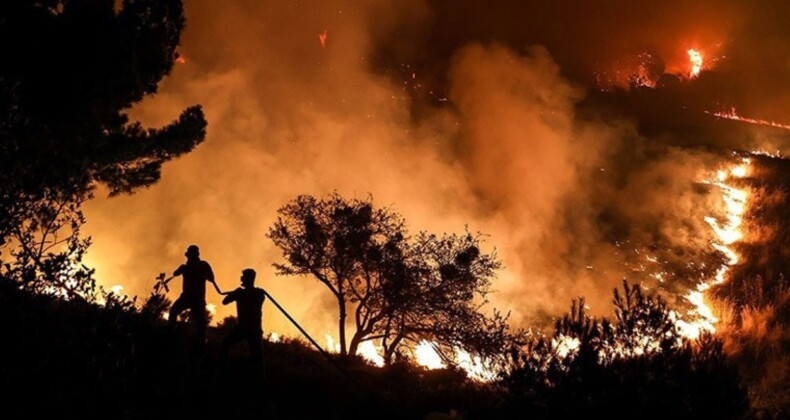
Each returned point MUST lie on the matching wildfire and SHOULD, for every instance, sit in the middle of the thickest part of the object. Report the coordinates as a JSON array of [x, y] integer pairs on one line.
[[727, 233], [695, 57], [732, 115]]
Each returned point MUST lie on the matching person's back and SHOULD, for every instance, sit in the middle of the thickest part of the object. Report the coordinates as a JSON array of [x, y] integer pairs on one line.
[[196, 273], [249, 302]]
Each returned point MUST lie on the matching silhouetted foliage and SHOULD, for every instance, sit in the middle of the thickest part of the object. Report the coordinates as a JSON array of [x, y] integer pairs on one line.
[[634, 364], [47, 250], [434, 292], [69, 74]]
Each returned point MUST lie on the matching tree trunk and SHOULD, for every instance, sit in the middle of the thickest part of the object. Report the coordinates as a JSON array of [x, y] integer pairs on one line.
[[389, 351], [355, 341], [341, 301]]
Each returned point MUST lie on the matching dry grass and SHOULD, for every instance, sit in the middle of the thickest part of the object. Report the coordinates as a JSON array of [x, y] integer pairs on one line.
[[756, 336]]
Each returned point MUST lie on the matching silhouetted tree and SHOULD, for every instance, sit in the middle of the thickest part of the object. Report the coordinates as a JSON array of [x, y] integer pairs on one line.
[[401, 290], [71, 69], [339, 242]]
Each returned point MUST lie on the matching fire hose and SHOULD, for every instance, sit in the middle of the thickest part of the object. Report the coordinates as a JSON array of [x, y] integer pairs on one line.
[[163, 282]]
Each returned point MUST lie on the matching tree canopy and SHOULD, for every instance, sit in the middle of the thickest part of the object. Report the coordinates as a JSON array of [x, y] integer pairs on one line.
[[71, 70]]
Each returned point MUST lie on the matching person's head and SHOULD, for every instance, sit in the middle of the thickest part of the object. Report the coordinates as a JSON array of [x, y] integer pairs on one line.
[[193, 252], [248, 277]]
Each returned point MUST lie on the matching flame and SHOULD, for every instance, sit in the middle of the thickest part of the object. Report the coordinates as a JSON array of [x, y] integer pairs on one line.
[[371, 353], [733, 115], [274, 337], [427, 356], [331, 344], [695, 57], [322, 38], [565, 346], [475, 366], [736, 202], [211, 308]]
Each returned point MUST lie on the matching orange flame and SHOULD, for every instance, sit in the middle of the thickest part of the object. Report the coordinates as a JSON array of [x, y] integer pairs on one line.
[[732, 115], [736, 202], [322, 38]]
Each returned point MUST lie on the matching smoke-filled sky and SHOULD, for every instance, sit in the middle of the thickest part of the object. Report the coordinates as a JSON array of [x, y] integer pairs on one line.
[[513, 118]]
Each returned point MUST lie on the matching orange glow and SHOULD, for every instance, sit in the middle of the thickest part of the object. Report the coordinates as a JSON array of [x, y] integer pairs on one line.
[[695, 57], [181, 59]]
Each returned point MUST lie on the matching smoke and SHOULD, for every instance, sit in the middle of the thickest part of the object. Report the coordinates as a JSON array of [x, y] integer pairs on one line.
[[475, 132]]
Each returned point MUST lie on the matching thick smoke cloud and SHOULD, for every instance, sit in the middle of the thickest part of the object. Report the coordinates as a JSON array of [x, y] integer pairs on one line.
[[484, 128]]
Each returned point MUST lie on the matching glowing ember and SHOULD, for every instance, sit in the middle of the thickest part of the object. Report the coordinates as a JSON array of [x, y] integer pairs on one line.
[[427, 356], [695, 57], [736, 201], [322, 38], [369, 352], [732, 115], [181, 59]]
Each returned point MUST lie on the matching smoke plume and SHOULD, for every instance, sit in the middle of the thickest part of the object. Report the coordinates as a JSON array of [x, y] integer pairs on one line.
[[454, 116]]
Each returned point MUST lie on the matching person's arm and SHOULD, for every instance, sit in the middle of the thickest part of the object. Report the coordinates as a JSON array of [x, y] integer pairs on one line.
[[210, 278], [178, 272], [210, 273], [230, 297]]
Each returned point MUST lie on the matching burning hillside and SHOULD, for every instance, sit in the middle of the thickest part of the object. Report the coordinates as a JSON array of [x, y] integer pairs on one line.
[[419, 182]]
